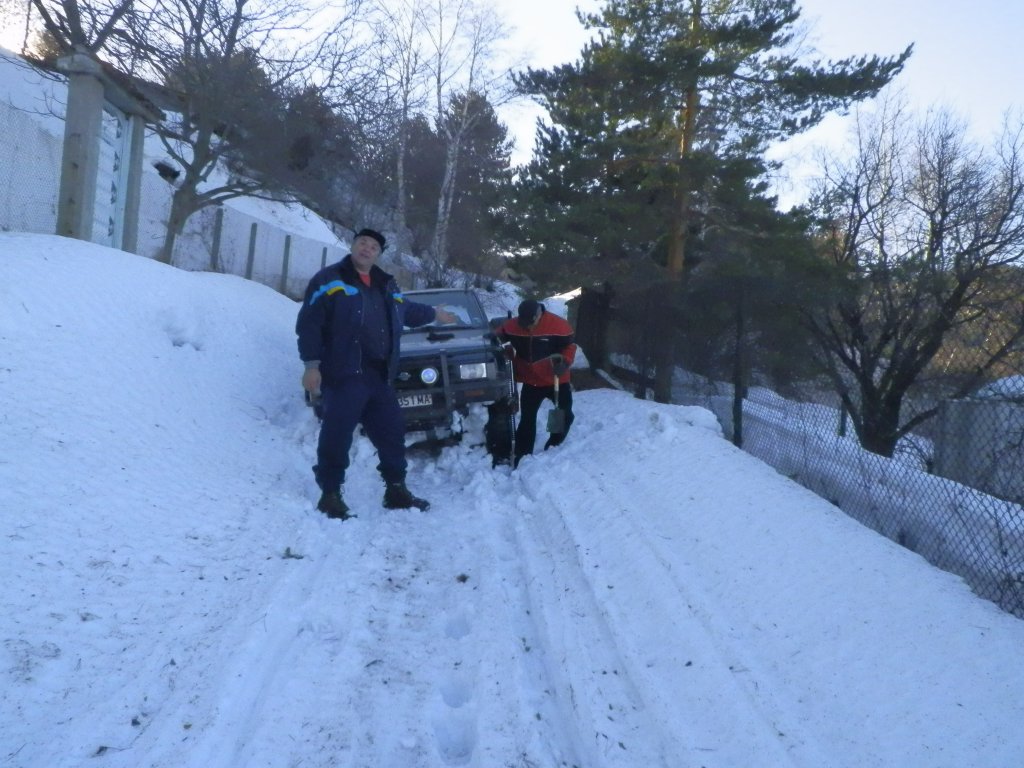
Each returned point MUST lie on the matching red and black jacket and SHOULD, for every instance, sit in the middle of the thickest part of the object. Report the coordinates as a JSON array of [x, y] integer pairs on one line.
[[533, 346]]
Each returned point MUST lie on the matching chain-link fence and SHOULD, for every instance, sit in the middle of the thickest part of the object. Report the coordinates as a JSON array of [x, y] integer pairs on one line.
[[956, 499], [952, 489]]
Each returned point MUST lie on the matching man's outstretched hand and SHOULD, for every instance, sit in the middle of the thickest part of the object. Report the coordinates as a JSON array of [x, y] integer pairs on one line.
[[443, 316]]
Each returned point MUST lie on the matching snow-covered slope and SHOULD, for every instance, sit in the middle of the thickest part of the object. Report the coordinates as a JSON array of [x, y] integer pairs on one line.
[[645, 595]]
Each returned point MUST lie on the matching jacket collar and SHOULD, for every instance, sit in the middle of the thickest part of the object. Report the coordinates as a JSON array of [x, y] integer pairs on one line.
[[378, 276]]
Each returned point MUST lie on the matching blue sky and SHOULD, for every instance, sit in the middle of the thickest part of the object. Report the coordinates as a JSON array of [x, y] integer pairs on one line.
[[967, 57]]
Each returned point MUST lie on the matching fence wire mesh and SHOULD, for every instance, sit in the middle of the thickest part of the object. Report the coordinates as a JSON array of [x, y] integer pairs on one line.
[[956, 499], [28, 190], [952, 489]]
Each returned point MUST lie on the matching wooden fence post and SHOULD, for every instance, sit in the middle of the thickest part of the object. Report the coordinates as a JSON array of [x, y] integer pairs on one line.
[[252, 252]]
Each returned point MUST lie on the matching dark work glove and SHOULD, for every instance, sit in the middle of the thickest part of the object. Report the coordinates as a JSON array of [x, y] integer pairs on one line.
[[558, 364]]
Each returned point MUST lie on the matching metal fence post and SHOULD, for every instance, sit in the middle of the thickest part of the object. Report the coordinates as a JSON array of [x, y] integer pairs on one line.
[[252, 252], [284, 266], [323, 258], [218, 227]]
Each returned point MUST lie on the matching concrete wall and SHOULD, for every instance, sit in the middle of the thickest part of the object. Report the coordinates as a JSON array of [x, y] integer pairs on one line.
[[32, 129], [31, 148]]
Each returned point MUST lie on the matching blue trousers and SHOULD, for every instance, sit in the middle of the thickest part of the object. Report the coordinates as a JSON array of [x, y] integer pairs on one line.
[[363, 399]]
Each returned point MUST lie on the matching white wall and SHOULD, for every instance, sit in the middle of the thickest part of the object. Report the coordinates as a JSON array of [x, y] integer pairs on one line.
[[31, 138]]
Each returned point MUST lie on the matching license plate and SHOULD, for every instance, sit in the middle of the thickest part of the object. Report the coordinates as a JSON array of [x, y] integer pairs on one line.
[[415, 401]]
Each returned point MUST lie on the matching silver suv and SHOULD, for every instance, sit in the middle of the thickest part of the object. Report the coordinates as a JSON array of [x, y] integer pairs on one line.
[[446, 368]]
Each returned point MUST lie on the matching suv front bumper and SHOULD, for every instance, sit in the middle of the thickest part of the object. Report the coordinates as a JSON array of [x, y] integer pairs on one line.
[[429, 407]]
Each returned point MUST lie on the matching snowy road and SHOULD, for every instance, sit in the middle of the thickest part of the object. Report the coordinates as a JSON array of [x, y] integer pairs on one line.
[[644, 596], [579, 612], [514, 624]]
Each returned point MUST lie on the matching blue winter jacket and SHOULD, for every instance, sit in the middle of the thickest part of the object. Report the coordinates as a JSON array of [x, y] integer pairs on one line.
[[332, 312]]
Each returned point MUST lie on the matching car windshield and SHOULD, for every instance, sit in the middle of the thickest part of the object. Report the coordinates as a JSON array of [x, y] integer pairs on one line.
[[463, 305]]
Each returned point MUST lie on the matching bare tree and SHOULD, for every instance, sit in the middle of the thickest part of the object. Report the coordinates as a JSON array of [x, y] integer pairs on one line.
[[435, 58], [463, 39], [87, 27], [228, 64], [922, 227], [224, 66], [402, 63]]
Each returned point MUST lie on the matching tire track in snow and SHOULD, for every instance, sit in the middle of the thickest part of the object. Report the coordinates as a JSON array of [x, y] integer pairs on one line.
[[412, 664], [499, 652], [595, 697], [628, 588], [265, 657], [518, 695], [230, 691]]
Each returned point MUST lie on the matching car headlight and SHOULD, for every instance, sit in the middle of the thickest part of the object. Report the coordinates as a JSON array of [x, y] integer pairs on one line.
[[473, 371], [428, 375]]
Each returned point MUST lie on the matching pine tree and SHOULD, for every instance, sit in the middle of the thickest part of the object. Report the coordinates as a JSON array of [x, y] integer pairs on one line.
[[671, 97], [480, 188]]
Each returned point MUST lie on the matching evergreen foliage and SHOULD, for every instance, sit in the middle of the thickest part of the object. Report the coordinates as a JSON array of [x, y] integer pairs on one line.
[[662, 121], [484, 173]]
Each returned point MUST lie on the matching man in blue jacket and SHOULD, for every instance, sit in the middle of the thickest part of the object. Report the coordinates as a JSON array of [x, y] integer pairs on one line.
[[349, 329]]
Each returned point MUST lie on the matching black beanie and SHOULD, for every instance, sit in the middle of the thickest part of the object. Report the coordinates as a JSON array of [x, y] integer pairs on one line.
[[528, 312], [372, 233]]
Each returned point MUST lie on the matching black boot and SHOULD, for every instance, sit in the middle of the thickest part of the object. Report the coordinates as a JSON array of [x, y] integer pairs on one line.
[[332, 505], [397, 496]]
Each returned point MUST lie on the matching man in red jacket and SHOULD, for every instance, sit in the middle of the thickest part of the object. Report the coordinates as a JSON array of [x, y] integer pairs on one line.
[[542, 347]]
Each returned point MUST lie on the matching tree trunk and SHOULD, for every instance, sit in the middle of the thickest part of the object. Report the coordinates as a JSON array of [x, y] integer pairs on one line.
[[879, 430], [661, 332], [444, 206], [680, 232], [183, 203], [664, 366], [400, 203]]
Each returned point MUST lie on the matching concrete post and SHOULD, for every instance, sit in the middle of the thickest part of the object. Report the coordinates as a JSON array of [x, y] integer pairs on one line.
[[133, 187], [82, 126]]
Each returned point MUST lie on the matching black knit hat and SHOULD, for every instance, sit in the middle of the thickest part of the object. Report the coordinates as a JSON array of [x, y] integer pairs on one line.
[[528, 312], [374, 234]]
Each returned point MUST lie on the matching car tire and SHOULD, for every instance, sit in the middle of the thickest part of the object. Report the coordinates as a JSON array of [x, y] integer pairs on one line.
[[499, 432]]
